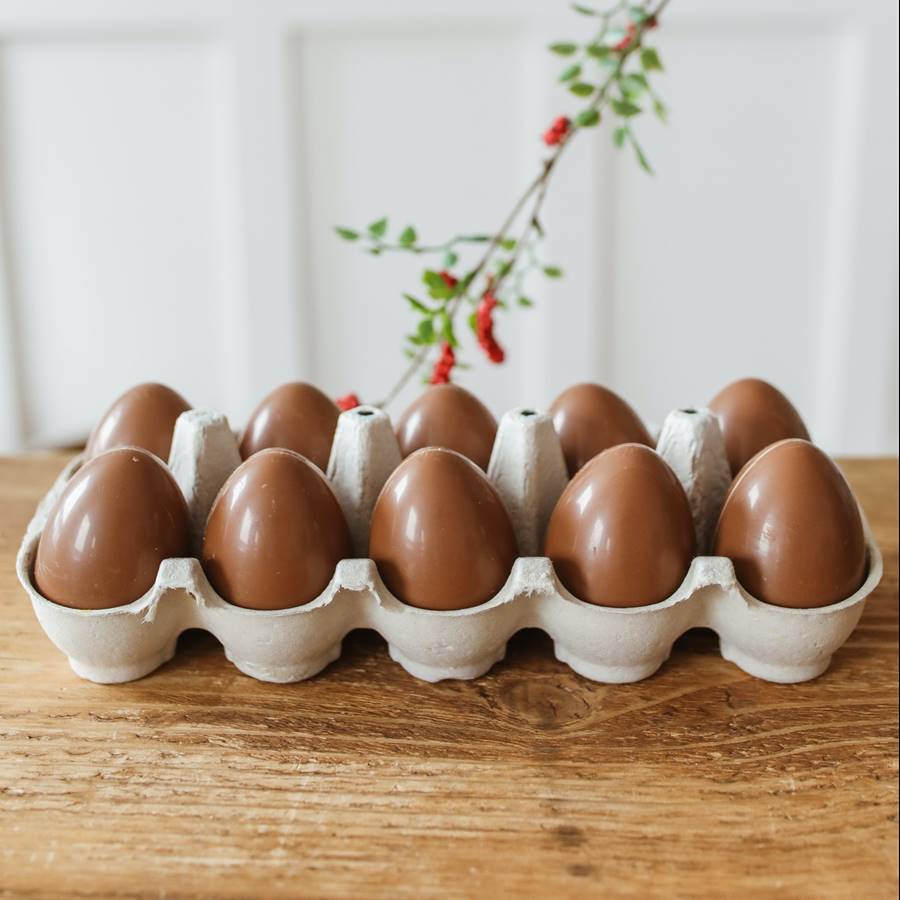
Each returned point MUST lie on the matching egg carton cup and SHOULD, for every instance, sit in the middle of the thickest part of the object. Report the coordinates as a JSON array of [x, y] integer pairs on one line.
[[613, 645]]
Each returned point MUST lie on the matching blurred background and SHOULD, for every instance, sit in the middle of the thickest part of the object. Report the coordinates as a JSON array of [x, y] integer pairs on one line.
[[171, 172]]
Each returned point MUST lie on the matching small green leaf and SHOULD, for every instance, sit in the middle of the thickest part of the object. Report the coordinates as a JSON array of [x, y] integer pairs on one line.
[[476, 238], [504, 267], [508, 243], [633, 84], [407, 236], [638, 15], [619, 137], [582, 89], [525, 302], [625, 108], [563, 48], [375, 251], [553, 271], [660, 109], [587, 119], [570, 73], [450, 259], [584, 10], [447, 329], [643, 162], [418, 305], [426, 333], [473, 322], [348, 234], [598, 51], [650, 60], [379, 229]]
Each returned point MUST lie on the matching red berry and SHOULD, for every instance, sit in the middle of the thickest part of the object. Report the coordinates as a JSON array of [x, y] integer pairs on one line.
[[348, 401]]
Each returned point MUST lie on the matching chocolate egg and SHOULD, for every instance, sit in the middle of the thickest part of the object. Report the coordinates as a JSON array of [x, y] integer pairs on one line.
[[441, 536], [791, 526], [295, 416], [275, 533], [447, 415], [589, 419], [754, 414], [117, 519], [621, 534], [142, 417]]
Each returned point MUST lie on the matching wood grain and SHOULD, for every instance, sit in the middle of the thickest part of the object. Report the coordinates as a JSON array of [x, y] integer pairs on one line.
[[531, 781]]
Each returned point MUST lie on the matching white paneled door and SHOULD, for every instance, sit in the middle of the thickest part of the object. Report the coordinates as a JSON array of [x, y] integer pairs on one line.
[[170, 172]]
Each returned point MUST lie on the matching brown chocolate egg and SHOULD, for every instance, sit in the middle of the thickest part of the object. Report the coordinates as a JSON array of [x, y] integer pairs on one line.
[[791, 526], [117, 519], [441, 536], [589, 419], [295, 416], [447, 415], [142, 417], [754, 414], [621, 534], [275, 533]]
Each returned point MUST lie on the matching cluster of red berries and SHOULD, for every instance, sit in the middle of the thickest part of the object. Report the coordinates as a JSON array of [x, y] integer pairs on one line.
[[484, 327], [348, 401], [557, 132], [449, 279], [631, 33], [440, 374]]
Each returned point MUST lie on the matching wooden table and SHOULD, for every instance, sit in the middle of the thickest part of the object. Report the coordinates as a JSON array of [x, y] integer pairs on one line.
[[700, 781]]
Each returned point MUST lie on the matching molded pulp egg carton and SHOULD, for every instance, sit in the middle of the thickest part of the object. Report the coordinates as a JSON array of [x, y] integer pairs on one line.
[[527, 468]]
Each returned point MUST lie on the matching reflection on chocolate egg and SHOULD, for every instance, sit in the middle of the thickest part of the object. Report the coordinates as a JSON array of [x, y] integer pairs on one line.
[[441, 536], [754, 414], [792, 528], [447, 415], [295, 416], [621, 533], [142, 417], [589, 419], [275, 533], [117, 519]]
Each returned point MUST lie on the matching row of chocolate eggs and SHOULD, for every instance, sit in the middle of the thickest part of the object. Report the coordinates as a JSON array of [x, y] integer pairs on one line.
[[620, 535]]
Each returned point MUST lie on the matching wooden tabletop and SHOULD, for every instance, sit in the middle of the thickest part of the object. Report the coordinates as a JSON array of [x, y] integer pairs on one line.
[[700, 781]]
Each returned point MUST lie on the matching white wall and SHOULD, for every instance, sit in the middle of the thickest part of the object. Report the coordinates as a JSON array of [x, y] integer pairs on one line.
[[170, 171]]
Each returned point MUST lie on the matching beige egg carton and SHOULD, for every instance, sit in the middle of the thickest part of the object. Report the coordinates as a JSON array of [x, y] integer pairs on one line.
[[527, 468]]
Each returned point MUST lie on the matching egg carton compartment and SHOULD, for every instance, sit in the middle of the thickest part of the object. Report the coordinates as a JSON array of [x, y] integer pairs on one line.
[[615, 645]]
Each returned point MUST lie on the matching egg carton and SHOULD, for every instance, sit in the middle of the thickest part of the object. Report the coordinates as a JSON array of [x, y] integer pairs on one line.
[[604, 644]]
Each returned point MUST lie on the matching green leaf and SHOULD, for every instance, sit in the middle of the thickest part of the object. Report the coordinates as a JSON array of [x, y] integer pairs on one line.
[[418, 305], [379, 229], [643, 162], [584, 10], [650, 60], [437, 288], [570, 73], [582, 89], [447, 329], [426, 333], [407, 236], [638, 15], [619, 137], [473, 322], [625, 108], [450, 260], [598, 51], [375, 251], [553, 271], [525, 302], [475, 238], [563, 48], [660, 109], [348, 234], [633, 84], [508, 243], [587, 119], [504, 267]]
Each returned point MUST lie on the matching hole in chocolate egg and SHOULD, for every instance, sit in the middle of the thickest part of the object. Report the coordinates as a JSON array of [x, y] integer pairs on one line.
[[365, 412], [528, 412], [689, 412]]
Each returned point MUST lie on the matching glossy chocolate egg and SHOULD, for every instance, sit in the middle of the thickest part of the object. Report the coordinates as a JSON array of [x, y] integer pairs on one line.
[[447, 415], [754, 414], [295, 416], [622, 533], [142, 417], [441, 536], [275, 533], [589, 419], [791, 526], [117, 519]]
